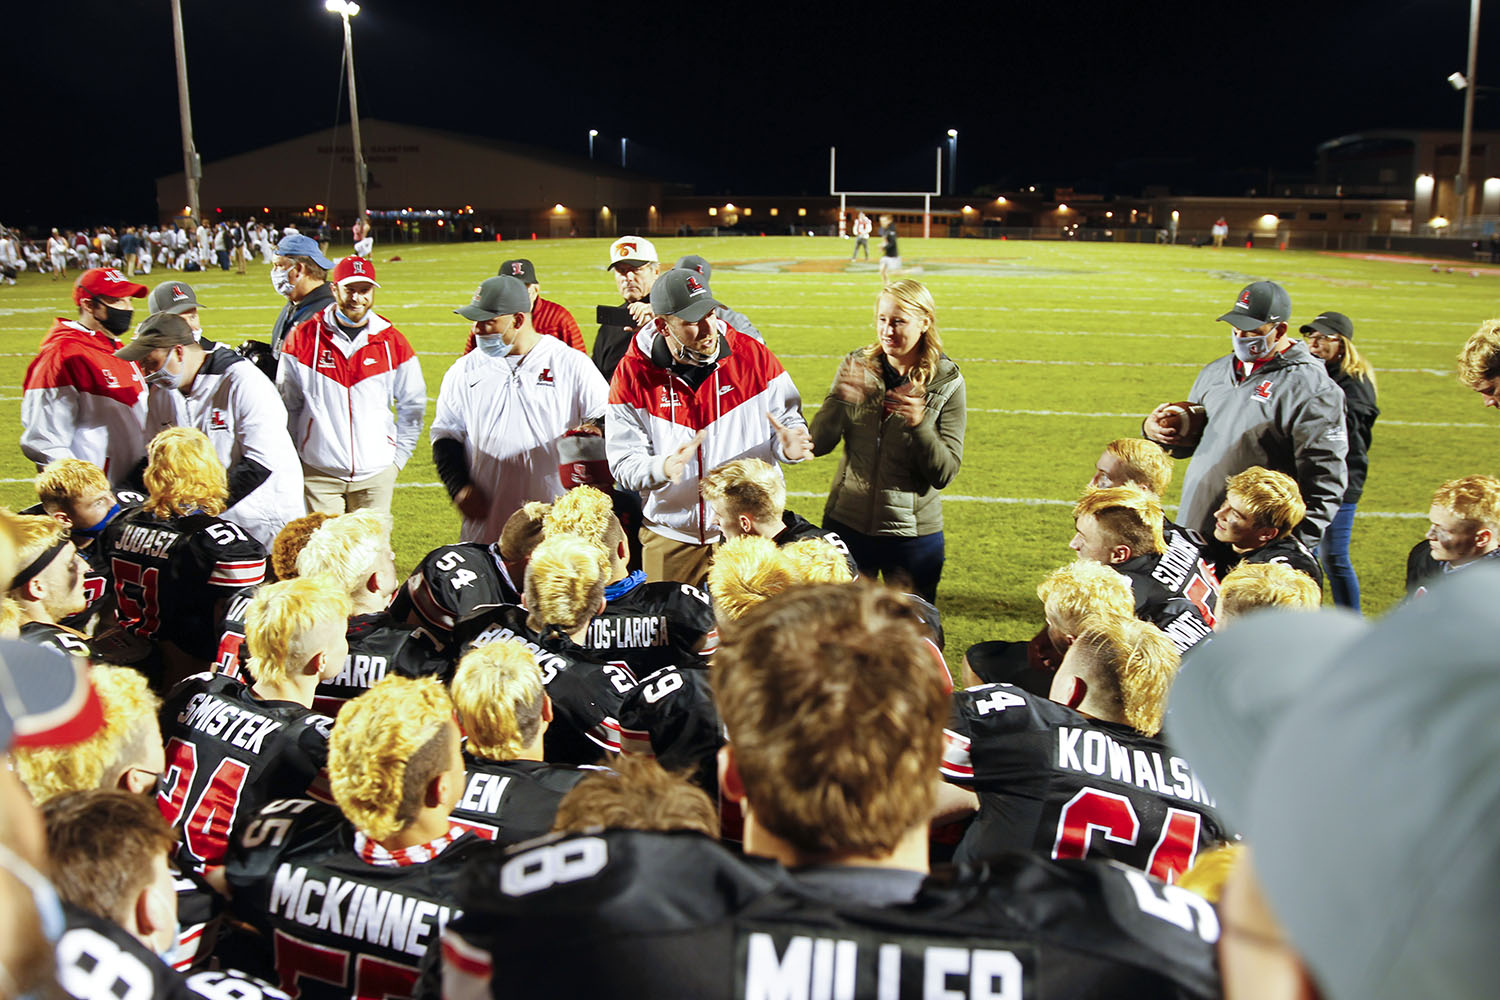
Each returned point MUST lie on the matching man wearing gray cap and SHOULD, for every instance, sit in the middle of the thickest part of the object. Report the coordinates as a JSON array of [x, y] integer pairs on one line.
[[194, 382], [1367, 793], [1269, 403], [737, 320], [504, 406], [689, 395], [299, 273], [177, 298]]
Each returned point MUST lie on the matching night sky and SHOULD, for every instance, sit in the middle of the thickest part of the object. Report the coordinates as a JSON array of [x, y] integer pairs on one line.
[[737, 98]]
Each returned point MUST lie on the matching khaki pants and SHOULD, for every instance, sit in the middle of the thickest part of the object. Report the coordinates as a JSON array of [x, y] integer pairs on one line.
[[332, 495], [666, 558]]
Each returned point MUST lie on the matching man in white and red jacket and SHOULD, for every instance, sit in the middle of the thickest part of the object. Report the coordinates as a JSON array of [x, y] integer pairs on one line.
[[690, 394], [79, 400], [340, 374]]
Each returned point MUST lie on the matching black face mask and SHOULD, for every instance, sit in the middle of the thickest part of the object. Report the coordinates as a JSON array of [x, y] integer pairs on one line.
[[116, 321]]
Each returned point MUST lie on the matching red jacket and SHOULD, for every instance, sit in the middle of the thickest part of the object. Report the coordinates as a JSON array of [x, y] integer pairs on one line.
[[80, 401]]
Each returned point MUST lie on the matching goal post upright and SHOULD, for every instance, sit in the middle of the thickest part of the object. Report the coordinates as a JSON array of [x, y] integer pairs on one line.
[[926, 196]]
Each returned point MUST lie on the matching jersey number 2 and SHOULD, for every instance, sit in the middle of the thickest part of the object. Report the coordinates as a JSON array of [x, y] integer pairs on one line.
[[1092, 810]]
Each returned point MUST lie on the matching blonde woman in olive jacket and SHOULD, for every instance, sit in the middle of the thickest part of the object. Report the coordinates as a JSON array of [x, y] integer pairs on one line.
[[899, 407]]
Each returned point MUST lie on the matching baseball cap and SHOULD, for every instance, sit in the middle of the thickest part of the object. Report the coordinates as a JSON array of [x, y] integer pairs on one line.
[[1374, 782], [1333, 324], [582, 461], [353, 268], [45, 700], [1259, 303], [297, 245], [632, 250], [497, 296], [682, 293], [695, 263], [172, 297], [105, 281], [156, 331], [519, 268]]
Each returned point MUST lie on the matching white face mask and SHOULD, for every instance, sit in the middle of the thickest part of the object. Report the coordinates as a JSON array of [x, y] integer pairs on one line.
[[493, 345], [281, 281], [1253, 349], [163, 378]]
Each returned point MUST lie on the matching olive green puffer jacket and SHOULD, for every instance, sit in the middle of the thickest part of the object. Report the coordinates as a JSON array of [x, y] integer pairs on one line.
[[890, 474]]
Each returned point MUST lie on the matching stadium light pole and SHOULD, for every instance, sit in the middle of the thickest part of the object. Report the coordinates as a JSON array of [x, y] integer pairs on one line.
[[192, 167], [953, 157], [347, 9], [592, 132], [1466, 84], [623, 141]]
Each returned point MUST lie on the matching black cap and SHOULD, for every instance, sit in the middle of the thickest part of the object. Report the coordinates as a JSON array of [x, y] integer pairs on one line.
[[1331, 324], [156, 331], [519, 268], [1261, 303], [682, 293]]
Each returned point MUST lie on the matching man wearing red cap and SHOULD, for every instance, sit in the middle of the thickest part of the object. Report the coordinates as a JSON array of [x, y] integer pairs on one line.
[[79, 400], [341, 372]]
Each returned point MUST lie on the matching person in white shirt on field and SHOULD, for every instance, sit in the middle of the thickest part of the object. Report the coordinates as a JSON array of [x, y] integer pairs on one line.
[[503, 407]]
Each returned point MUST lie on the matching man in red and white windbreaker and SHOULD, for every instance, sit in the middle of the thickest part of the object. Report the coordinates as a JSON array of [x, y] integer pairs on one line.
[[690, 394], [341, 372], [79, 400]]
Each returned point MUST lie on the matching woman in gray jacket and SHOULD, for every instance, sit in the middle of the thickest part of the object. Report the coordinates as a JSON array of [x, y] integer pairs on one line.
[[899, 407]]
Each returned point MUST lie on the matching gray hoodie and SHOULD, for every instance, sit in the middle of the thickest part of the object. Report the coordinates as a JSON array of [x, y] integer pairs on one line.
[[1287, 416]]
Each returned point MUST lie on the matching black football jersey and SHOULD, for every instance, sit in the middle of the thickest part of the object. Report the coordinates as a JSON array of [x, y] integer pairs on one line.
[[509, 801], [340, 926], [796, 527], [1422, 571], [1289, 551], [58, 637], [671, 715], [233, 654], [379, 644], [98, 959], [585, 688], [1176, 590], [1056, 782], [451, 585], [98, 588], [229, 753], [678, 915], [169, 574], [654, 625]]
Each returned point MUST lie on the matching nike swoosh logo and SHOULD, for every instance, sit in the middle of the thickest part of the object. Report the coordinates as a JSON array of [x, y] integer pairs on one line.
[[369, 361]]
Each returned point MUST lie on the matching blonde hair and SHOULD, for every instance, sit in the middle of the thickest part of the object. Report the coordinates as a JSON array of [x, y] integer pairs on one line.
[[498, 691], [282, 621], [1352, 363], [1479, 359], [387, 746], [1131, 514], [288, 543], [1147, 464], [35, 534], [913, 296], [817, 560], [70, 479], [1136, 663], [130, 724], [1271, 498], [8, 541], [347, 548], [746, 486], [1212, 870], [523, 531], [588, 513], [1265, 585], [833, 715], [745, 572], [11, 618], [1473, 498], [1073, 592], [565, 582], [636, 794], [184, 474]]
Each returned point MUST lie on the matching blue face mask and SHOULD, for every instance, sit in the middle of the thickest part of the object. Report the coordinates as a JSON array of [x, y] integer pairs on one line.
[[98, 529], [493, 345], [349, 322]]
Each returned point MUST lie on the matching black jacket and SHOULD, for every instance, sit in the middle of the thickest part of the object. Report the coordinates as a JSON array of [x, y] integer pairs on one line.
[[295, 312], [1360, 413]]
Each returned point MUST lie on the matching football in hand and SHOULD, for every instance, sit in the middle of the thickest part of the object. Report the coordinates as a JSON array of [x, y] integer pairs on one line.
[[1186, 420]]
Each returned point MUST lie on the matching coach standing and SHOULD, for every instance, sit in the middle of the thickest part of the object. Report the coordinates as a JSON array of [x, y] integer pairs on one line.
[[341, 372], [635, 265], [299, 273], [690, 394], [1268, 403], [547, 317], [503, 407], [78, 399]]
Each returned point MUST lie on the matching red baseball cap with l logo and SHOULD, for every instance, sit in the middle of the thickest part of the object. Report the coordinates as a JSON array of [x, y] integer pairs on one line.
[[354, 269]]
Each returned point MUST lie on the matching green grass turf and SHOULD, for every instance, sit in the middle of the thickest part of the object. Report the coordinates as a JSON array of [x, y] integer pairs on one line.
[[1063, 345]]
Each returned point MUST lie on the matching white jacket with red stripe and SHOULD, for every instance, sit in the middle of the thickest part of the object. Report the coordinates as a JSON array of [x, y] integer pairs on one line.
[[652, 412], [339, 393], [80, 401]]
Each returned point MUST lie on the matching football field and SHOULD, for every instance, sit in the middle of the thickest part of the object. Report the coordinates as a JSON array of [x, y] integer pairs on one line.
[[1064, 346]]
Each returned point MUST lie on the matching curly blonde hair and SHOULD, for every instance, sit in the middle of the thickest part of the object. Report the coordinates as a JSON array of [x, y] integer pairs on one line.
[[1134, 662], [817, 560], [565, 582], [288, 543], [387, 746], [499, 694], [1271, 498], [347, 548], [1479, 359], [588, 513], [184, 474], [130, 724], [70, 479], [913, 296], [1073, 592], [745, 572], [283, 621], [1147, 463], [1475, 499], [1265, 585], [746, 486]]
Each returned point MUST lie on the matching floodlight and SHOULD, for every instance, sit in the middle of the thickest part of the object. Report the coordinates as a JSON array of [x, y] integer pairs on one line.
[[593, 132], [1457, 81], [953, 133]]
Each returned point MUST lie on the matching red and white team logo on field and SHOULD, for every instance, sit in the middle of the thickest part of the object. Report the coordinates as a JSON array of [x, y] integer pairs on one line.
[[545, 378], [1263, 391]]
